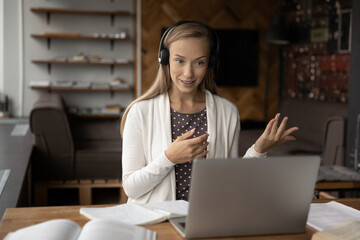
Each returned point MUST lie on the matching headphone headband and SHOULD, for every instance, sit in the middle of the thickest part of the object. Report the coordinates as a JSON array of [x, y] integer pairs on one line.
[[163, 55]]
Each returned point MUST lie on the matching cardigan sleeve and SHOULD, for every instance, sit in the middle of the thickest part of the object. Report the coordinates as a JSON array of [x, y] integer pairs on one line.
[[234, 147], [139, 174], [252, 153]]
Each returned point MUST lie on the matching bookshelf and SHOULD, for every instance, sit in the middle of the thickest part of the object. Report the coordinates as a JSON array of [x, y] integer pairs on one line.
[[72, 89], [78, 11], [54, 27]]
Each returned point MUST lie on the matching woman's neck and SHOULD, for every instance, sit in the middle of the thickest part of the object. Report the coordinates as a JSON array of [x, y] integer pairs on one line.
[[187, 103]]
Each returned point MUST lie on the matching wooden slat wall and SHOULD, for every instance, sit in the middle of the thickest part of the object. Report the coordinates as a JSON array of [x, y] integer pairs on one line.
[[226, 14]]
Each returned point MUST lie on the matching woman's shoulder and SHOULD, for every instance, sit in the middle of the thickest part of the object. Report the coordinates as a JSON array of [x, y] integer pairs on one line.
[[145, 105], [223, 102]]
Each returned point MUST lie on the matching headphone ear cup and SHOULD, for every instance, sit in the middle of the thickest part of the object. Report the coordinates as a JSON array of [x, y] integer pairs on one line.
[[164, 56]]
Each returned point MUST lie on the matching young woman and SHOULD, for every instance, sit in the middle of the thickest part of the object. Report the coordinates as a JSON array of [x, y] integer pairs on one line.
[[180, 119]]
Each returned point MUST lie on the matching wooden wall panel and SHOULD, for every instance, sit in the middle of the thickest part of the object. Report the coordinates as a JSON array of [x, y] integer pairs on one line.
[[227, 14]]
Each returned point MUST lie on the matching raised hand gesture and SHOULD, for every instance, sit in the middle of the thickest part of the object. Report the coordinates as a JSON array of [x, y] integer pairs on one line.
[[274, 135]]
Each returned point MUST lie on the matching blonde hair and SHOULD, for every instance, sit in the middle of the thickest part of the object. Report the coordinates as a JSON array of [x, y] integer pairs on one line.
[[162, 82]]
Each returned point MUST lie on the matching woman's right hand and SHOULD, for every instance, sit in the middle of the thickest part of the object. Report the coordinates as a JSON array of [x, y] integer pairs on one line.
[[185, 150]]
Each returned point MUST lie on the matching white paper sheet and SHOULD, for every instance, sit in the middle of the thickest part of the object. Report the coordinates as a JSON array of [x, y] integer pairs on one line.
[[326, 215]]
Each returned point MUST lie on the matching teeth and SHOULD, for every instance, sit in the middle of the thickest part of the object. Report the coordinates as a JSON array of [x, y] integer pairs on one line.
[[187, 81]]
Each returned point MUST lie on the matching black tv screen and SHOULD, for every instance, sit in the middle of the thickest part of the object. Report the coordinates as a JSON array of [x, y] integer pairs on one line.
[[238, 57]]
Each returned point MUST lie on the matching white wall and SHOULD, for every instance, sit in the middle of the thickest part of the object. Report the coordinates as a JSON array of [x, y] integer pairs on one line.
[[11, 57], [20, 49], [1, 45]]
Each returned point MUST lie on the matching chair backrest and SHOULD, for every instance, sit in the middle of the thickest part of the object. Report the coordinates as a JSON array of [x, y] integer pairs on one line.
[[310, 116], [53, 140], [334, 141]]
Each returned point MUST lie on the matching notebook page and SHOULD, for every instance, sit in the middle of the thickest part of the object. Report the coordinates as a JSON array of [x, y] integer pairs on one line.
[[59, 229], [102, 229], [128, 213], [326, 215]]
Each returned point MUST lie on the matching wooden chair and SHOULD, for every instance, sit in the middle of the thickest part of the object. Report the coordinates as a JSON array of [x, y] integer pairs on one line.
[[333, 175]]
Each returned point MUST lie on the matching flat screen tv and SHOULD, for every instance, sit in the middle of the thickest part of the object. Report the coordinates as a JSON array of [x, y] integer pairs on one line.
[[238, 60]]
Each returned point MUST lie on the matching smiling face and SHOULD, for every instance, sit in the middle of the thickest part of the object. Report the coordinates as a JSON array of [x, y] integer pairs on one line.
[[188, 61]]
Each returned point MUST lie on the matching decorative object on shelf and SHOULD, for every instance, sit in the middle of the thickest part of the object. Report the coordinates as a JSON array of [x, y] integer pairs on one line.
[[62, 84], [119, 83], [80, 57], [39, 84], [122, 61], [94, 58], [114, 109], [108, 111], [107, 60]]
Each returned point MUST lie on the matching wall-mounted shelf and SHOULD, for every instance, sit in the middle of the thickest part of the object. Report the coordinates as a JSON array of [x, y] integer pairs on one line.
[[83, 49], [111, 64], [76, 36], [49, 11], [70, 89], [81, 63], [79, 11]]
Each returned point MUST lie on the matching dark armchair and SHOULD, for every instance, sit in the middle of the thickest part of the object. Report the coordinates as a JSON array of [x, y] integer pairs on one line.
[[62, 153]]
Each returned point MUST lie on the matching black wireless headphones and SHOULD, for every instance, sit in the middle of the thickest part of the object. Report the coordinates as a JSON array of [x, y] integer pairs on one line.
[[214, 53]]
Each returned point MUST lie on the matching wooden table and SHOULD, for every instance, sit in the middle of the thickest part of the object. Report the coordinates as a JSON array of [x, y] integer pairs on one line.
[[16, 218], [15, 154]]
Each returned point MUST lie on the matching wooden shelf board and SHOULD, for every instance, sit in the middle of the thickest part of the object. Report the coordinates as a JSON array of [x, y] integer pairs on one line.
[[67, 89], [80, 37], [79, 63], [79, 11], [337, 185]]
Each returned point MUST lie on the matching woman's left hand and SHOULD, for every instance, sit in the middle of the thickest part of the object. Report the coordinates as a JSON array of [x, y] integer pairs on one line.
[[274, 135]]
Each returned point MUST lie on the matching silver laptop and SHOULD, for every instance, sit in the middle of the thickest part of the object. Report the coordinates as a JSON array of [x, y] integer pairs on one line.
[[241, 197]]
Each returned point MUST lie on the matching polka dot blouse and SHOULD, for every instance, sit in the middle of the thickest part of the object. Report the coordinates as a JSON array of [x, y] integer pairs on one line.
[[181, 123]]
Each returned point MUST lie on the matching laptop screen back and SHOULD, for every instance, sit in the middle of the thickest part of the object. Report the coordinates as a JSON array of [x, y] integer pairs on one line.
[[239, 197]]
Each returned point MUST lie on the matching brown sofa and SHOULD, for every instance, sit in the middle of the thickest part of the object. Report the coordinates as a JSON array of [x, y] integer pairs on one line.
[[68, 147]]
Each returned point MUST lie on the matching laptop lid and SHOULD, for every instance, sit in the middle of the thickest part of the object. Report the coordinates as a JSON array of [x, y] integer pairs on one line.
[[240, 197]]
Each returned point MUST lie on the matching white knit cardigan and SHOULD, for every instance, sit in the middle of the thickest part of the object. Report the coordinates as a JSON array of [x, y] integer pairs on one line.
[[148, 175]]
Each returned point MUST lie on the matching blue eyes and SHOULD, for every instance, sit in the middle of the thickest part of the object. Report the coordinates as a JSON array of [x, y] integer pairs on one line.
[[180, 61]]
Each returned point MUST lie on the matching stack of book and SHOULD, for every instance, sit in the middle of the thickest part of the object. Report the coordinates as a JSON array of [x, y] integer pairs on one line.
[[62, 84], [112, 109], [122, 60], [119, 83], [39, 84]]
